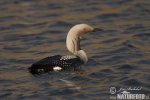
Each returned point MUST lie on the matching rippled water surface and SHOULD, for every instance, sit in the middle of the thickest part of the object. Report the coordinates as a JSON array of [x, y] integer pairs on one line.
[[33, 29]]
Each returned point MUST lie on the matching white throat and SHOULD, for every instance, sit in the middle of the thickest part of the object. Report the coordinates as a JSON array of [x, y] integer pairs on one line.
[[82, 55], [73, 43]]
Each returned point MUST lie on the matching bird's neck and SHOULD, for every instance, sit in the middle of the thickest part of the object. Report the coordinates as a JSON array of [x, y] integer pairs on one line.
[[73, 45], [82, 55]]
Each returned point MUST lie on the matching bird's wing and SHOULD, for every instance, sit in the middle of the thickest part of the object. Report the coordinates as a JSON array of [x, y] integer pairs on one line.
[[72, 60], [49, 63], [44, 65]]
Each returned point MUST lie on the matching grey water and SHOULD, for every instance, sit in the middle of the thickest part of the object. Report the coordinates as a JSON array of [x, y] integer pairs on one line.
[[119, 56]]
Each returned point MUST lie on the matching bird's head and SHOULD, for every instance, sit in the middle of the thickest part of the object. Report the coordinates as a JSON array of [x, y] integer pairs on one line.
[[74, 35], [82, 29]]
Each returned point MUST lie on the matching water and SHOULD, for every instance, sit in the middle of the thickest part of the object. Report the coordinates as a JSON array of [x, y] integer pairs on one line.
[[119, 56]]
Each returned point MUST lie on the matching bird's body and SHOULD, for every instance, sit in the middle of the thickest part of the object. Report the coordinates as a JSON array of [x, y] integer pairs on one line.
[[68, 62], [56, 63]]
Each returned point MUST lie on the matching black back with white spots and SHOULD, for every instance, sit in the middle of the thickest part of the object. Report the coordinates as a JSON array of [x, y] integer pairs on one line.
[[54, 63]]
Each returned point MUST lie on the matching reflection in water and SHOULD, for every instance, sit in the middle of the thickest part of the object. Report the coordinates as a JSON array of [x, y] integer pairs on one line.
[[31, 30], [71, 85]]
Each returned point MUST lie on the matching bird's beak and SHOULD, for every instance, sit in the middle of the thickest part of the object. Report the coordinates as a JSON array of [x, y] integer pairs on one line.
[[97, 29]]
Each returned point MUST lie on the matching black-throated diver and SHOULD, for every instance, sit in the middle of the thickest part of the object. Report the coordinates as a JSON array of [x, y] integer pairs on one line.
[[59, 62]]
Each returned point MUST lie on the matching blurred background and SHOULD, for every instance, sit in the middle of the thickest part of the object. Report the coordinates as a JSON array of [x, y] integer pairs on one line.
[[33, 29]]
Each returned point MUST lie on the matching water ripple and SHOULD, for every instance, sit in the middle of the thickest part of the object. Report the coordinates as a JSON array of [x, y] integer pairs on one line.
[[118, 56]]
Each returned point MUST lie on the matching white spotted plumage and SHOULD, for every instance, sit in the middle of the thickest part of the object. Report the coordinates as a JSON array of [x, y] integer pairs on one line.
[[67, 57]]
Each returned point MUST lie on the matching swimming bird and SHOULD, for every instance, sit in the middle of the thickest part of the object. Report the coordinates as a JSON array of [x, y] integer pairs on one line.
[[66, 62]]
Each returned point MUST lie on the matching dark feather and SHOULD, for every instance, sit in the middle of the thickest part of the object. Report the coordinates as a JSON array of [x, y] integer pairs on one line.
[[47, 64]]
